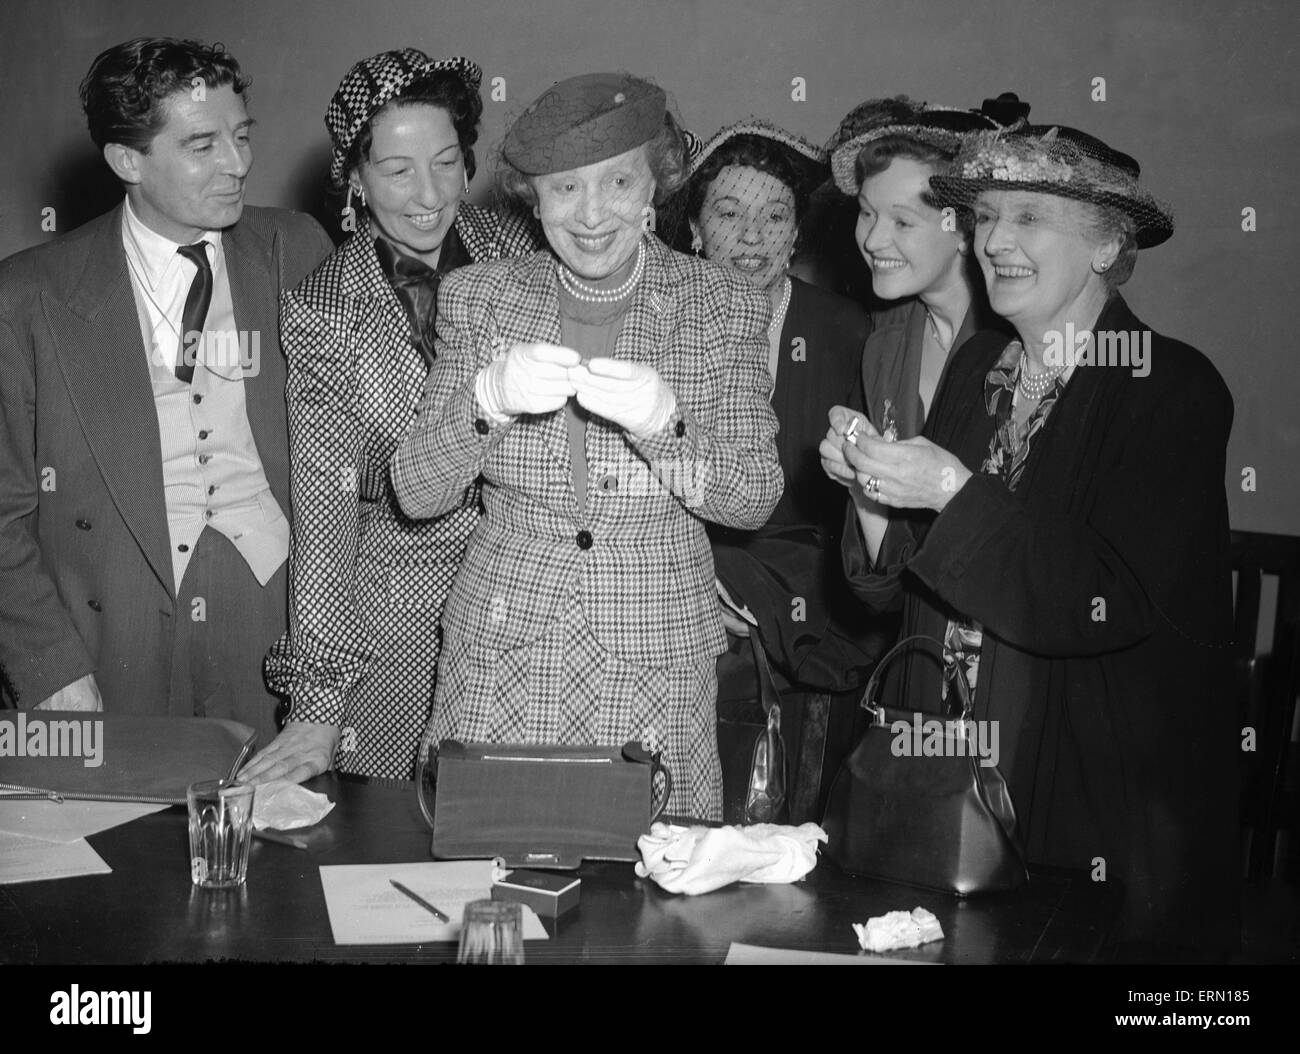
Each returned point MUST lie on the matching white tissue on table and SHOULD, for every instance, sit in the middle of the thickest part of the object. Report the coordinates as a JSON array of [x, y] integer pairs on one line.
[[898, 929], [284, 806], [694, 860]]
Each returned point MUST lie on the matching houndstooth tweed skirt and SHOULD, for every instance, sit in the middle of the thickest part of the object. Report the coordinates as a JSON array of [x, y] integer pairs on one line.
[[565, 688]]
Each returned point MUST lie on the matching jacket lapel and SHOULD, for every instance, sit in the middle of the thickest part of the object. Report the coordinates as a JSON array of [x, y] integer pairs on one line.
[[534, 315], [255, 296], [100, 349]]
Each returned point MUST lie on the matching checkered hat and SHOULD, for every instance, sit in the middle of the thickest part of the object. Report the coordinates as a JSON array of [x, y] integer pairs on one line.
[[583, 120], [375, 81], [944, 127]]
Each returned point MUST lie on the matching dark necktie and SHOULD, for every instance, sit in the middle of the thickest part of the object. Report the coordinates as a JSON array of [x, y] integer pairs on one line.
[[196, 309]]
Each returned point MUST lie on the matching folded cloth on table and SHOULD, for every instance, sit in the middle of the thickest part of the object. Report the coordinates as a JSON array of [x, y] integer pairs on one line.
[[694, 860], [284, 806]]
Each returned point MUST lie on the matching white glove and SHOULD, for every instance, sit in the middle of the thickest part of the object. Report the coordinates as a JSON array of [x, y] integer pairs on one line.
[[694, 860], [528, 379], [630, 394]]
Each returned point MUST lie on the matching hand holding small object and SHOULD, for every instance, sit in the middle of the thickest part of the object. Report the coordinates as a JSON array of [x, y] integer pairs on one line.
[[910, 474], [847, 428], [527, 379], [630, 394]]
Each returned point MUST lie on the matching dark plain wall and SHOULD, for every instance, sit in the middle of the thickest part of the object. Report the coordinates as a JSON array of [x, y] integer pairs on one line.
[[1206, 95]]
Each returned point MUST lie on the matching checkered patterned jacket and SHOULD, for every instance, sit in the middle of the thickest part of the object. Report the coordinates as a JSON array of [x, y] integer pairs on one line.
[[366, 583], [638, 554]]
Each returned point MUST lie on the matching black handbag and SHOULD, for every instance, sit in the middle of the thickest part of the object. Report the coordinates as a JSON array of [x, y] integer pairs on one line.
[[540, 806], [752, 751], [940, 821]]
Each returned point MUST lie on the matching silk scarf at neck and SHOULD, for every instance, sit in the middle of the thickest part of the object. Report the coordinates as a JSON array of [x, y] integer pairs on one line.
[[416, 285]]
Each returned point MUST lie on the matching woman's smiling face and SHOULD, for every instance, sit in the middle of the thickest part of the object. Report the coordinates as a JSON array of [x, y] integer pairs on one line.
[[1037, 258], [902, 236], [594, 216], [747, 222], [413, 178]]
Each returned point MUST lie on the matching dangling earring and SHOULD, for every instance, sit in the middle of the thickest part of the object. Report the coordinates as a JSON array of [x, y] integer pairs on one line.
[[349, 213], [465, 173], [697, 243]]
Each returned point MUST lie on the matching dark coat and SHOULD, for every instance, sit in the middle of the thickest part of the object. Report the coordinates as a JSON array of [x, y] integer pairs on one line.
[[1119, 737], [85, 568], [787, 572]]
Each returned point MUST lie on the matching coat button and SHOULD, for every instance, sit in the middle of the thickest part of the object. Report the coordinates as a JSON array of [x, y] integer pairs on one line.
[[481, 426], [607, 482], [94, 605], [680, 430], [197, 398], [203, 434], [204, 458], [83, 525], [584, 539], [182, 548]]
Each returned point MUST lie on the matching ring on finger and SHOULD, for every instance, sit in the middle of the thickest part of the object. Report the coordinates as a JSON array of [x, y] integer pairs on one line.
[[872, 485]]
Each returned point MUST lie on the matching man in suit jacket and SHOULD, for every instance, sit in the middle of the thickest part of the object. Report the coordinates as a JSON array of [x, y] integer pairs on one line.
[[144, 463]]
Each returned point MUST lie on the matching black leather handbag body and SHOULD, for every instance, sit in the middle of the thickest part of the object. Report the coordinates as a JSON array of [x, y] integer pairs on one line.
[[940, 821], [541, 806], [752, 751]]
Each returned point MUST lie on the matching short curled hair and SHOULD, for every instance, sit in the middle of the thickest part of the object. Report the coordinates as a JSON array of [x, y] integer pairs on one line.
[[124, 93], [750, 151], [665, 154], [1104, 223], [878, 155], [441, 88]]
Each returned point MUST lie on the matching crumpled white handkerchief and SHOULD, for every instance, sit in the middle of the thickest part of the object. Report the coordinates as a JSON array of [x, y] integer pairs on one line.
[[284, 806], [694, 860]]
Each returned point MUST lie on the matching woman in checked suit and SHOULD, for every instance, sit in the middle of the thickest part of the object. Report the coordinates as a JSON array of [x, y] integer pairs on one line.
[[613, 395], [366, 583]]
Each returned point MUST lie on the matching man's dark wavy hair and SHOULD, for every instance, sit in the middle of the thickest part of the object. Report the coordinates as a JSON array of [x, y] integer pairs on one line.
[[124, 92]]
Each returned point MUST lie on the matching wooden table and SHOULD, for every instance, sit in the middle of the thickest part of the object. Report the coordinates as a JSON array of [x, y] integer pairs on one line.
[[146, 911]]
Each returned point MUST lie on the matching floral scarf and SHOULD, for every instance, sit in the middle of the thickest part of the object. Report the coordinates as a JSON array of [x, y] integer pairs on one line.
[[1008, 453]]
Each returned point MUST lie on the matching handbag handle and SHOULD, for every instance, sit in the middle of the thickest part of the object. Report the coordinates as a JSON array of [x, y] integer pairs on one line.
[[869, 702], [768, 694], [637, 752]]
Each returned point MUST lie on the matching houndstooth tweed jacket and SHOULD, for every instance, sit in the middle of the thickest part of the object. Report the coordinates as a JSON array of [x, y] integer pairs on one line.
[[363, 575], [638, 553]]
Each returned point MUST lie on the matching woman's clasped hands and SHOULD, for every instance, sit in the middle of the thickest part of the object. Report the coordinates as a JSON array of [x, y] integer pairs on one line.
[[541, 378], [908, 474]]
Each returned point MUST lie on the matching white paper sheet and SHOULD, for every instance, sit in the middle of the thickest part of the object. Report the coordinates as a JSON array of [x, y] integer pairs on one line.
[[68, 821], [755, 955], [34, 860], [365, 909]]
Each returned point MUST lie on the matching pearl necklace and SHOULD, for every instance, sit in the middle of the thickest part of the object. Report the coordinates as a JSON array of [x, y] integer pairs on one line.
[[778, 316], [576, 289], [1039, 384]]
